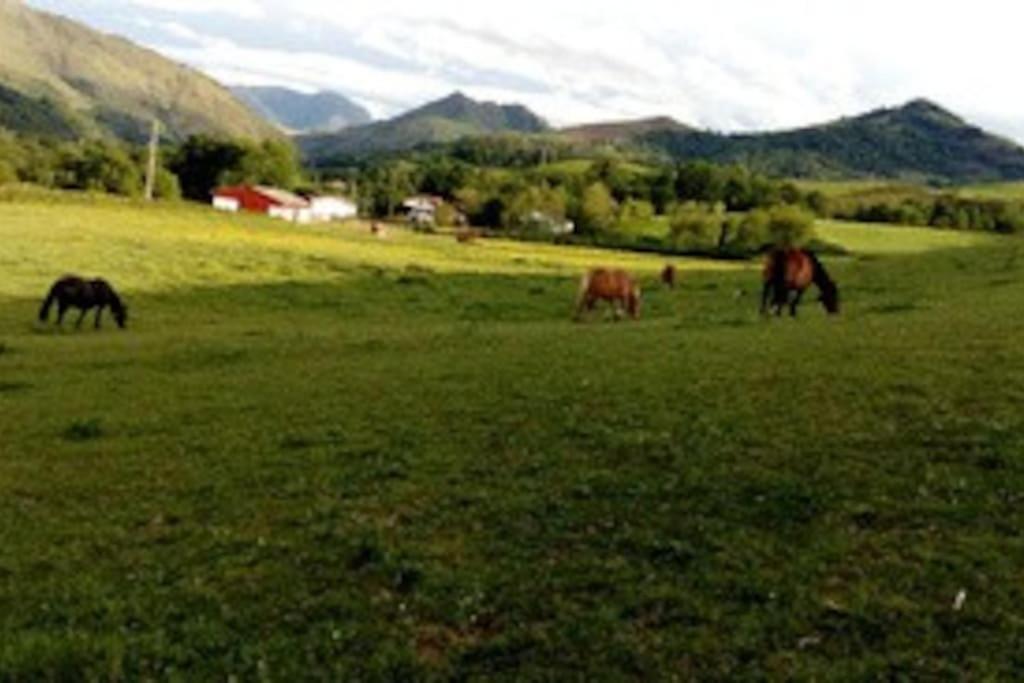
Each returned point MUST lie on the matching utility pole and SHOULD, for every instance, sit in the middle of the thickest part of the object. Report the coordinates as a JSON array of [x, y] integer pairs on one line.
[[154, 144]]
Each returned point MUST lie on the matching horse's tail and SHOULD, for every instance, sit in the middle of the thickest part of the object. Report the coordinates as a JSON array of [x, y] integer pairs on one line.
[[44, 310]]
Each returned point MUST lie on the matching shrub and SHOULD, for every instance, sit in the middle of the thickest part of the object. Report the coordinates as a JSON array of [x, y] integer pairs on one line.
[[697, 226], [445, 215], [790, 226], [751, 232], [635, 212], [597, 209]]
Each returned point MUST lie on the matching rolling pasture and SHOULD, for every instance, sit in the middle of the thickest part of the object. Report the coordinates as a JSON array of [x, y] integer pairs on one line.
[[319, 455]]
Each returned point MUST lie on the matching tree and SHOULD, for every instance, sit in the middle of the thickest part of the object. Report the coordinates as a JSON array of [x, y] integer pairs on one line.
[[103, 167], [663, 190], [635, 213], [751, 233], [790, 226], [534, 206], [272, 162], [204, 162], [700, 181], [384, 187], [697, 226], [166, 185], [445, 216], [7, 173], [597, 209]]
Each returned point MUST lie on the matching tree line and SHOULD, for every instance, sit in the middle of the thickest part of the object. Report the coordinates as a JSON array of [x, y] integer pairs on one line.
[[190, 169], [511, 185]]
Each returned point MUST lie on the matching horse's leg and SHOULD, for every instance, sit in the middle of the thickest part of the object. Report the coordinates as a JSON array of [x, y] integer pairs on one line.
[[796, 302], [61, 310], [78, 323], [586, 305], [766, 294], [780, 302], [99, 314]]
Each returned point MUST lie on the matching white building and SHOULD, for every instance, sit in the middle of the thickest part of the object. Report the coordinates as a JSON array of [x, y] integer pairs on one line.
[[326, 209]]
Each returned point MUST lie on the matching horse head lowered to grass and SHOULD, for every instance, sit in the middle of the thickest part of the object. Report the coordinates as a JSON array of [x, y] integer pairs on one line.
[[614, 286], [787, 275], [72, 291]]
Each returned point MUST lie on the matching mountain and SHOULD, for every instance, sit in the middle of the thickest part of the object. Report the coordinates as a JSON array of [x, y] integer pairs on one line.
[[918, 141], [296, 112], [446, 120], [618, 132], [61, 77]]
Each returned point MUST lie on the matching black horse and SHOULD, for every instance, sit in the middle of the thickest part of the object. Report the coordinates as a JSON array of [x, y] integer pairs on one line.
[[72, 291]]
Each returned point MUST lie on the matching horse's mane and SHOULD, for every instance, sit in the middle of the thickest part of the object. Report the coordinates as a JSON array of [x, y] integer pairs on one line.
[[821, 276]]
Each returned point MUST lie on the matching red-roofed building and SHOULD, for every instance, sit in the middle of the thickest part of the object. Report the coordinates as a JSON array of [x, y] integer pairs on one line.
[[261, 199]]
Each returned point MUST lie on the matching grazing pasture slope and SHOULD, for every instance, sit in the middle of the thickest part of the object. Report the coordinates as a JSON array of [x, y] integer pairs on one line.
[[323, 455]]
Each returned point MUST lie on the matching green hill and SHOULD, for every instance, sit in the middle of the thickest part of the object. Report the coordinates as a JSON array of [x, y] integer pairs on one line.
[[617, 132], [918, 141], [447, 120], [62, 78]]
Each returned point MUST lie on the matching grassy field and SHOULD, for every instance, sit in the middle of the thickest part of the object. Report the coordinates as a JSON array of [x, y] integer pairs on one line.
[[1004, 191], [1012, 191], [318, 455]]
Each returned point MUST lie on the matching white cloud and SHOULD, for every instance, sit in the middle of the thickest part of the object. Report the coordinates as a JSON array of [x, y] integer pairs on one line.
[[728, 65], [240, 8]]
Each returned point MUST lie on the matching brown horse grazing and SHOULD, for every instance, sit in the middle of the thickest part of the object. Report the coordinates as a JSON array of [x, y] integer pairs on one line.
[[787, 275], [467, 235], [613, 286], [72, 291], [668, 276]]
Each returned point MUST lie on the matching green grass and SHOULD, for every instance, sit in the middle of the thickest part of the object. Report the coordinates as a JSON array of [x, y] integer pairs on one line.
[[842, 188], [899, 240], [1013, 191], [1005, 191], [860, 238], [316, 455]]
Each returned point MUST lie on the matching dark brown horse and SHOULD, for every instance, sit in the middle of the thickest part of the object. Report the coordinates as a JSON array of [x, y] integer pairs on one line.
[[467, 235], [613, 286], [72, 291], [788, 273], [669, 276]]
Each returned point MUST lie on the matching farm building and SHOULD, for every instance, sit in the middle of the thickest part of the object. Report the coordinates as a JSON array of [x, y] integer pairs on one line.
[[332, 208], [282, 204], [542, 222], [266, 200], [421, 209]]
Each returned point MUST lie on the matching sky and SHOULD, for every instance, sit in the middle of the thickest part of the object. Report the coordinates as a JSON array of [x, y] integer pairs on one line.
[[726, 65]]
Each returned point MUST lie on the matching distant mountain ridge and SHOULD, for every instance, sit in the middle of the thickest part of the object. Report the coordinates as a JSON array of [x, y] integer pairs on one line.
[[59, 77], [447, 120], [622, 131], [917, 141], [297, 112]]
